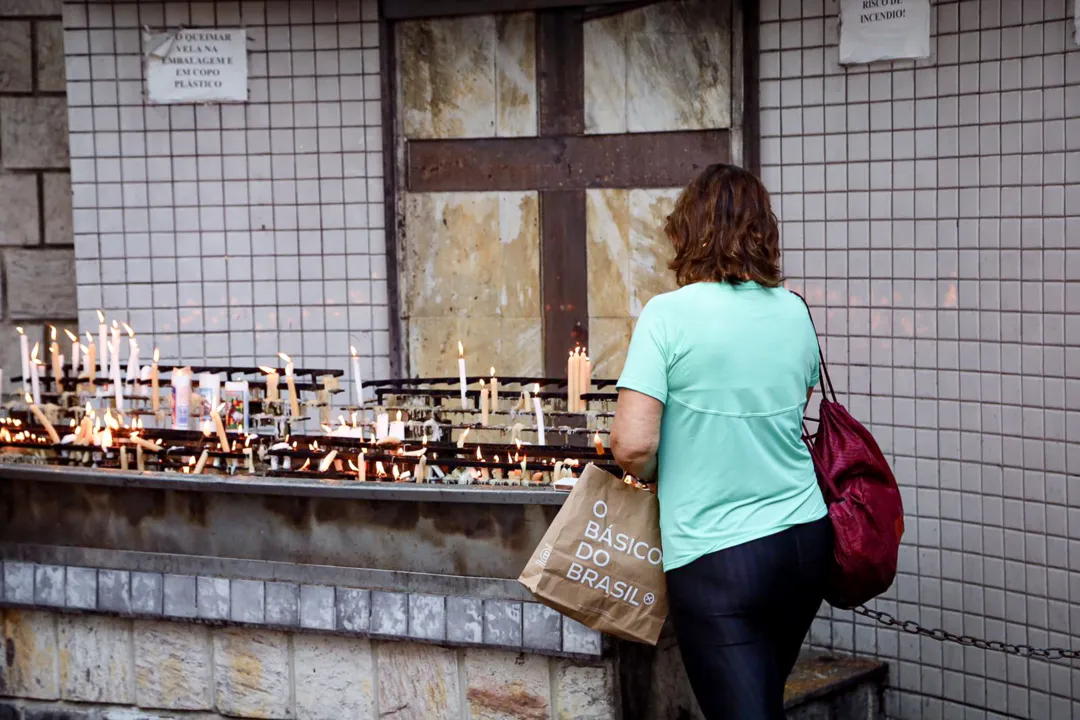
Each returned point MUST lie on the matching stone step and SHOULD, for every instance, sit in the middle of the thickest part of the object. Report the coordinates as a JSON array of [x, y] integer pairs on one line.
[[824, 686]]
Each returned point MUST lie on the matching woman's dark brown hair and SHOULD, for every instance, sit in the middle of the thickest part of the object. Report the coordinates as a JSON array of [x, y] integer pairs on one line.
[[724, 230]]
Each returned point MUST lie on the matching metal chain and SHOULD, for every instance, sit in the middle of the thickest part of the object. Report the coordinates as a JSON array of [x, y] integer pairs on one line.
[[910, 626]]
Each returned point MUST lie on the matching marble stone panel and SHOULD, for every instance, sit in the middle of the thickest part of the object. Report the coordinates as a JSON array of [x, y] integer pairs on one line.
[[33, 132], [650, 248], [247, 601], [353, 609], [334, 677], [146, 593], [609, 339], [515, 75], [317, 607], [80, 589], [513, 345], [282, 604], [607, 232], [472, 254], [49, 585], [472, 266], [40, 283], [19, 211], [96, 659], [28, 668], [114, 591], [57, 196], [172, 666], [50, 56], [503, 685], [252, 673], [19, 582], [663, 67], [418, 682], [447, 75], [464, 619], [16, 68], [584, 692]]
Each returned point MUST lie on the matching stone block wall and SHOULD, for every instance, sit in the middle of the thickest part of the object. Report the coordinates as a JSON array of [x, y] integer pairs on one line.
[[101, 667], [37, 282]]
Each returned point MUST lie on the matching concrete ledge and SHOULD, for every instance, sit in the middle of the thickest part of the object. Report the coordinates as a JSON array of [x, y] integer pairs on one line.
[[245, 602], [838, 687]]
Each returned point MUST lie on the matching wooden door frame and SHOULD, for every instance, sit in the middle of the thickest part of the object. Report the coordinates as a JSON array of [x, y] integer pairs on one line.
[[746, 110]]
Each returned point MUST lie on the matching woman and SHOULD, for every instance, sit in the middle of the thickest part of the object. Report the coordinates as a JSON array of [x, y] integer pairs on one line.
[[711, 401]]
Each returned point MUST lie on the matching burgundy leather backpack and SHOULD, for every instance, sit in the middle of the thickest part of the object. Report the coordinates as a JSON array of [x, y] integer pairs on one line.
[[864, 502]]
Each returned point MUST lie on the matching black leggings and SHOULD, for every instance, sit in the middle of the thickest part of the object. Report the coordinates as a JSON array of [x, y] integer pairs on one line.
[[741, 615]]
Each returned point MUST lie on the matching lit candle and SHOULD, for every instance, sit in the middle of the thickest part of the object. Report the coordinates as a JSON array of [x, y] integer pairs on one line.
[[133, 356], [494, 392], [155, 399], [357, 379], [461, 438], [461, 372], [539, 408], [571, 382], [271, 383], [24, 347], [598, 443], [483, 404], [327, 461], [382, 427], [35, 383], [57, 360], [103, 346], [54, 437], [290, 381], [74, 353], [362, 475], [219, 427], [584, 379], [397, 428]]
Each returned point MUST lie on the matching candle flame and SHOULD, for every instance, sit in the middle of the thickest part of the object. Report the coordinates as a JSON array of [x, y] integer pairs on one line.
[[380, 471], [397, 473], [479, 455], [267, 370], [327, 429], [89, 337], [110, 421], [306, 465], [29, 400], [100, 316], [496, 458], [84, 349], [481, 383], [130, 332], [460, 349], [52, 333], [518, 443], [19, 330], [33, 354], [352, 348], [71, 336], [493, 371], [536, 388], [157, 355], [106, 439], [115, 326], [284, 357], [207, 429]]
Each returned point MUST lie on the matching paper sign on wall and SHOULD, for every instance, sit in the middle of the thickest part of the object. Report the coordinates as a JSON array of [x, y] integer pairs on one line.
[[198, 65], [884, 30]]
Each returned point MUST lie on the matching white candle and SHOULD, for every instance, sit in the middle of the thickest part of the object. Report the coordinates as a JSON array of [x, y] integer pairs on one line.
[[571, 382], [397, 428], [461, 372], [290, 381], [57, 359], [74, 353], [24, 347], [539, 408], [357, 378], [90, 360], [133, 356], [114, 366], [382, 427], [35, 383], [494, 392], [584, 379], [483, 404], [155, 392], [103, 345]]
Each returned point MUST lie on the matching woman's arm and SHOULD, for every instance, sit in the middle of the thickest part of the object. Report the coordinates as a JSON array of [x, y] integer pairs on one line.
[[635, 434]]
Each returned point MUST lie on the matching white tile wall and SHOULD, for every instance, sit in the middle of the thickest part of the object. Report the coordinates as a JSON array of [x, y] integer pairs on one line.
[[931, 209], [230, 232]]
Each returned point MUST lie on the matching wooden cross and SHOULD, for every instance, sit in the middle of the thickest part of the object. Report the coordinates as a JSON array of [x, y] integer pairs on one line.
[[561, 163]]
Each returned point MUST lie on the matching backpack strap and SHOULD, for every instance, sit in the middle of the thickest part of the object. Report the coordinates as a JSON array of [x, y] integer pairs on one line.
[[825, 379]]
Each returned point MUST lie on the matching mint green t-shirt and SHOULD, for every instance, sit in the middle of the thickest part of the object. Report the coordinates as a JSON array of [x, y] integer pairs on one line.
[[732, 365]]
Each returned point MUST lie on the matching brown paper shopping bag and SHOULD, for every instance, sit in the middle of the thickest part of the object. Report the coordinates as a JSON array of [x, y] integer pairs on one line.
[[600, 562]]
